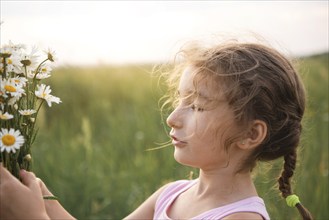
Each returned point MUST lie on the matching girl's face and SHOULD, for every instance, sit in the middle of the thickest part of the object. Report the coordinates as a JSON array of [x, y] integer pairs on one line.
[[200, 124]]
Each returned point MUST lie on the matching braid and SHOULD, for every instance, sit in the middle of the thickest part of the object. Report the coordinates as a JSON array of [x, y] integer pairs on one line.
[[284, 182], [288, 171]]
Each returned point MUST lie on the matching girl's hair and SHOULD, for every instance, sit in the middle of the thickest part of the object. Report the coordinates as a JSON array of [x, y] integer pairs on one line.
[[259, 83]]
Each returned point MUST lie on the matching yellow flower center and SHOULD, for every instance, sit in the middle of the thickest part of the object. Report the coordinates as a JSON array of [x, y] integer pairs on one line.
[[10, 88], [44, 70], [10, 61], [8, 140]]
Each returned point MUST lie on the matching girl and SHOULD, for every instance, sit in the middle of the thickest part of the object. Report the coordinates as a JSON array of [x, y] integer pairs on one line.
[[235, 104]]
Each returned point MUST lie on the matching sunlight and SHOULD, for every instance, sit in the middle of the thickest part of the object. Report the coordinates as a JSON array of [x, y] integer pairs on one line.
[[86, 32]]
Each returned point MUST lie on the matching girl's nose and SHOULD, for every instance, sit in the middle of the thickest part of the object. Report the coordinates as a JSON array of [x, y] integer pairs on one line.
[[174, 120]]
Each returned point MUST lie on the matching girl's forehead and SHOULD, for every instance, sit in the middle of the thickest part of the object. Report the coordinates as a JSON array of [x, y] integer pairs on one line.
[[186, 81], [190, 84]]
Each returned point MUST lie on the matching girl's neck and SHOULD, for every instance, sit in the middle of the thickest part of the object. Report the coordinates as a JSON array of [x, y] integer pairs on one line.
[[225, 185]]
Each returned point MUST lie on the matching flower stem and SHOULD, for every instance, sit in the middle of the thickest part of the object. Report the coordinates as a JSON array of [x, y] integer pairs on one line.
[[4, 68], [38, 68]]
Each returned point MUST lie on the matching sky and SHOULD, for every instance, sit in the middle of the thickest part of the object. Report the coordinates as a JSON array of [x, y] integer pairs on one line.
[[120, 32]]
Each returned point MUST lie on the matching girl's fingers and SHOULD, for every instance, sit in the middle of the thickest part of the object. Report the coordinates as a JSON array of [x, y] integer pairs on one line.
[[4, 174], [29, 179]]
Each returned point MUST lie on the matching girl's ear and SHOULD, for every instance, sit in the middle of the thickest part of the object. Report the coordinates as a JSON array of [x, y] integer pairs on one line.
[[255, 136]]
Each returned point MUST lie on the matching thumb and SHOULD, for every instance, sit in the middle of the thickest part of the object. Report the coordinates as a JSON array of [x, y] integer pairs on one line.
[[29, 180]]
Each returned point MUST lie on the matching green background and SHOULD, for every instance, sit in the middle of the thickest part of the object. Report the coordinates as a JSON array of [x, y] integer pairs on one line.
[[91, 150]]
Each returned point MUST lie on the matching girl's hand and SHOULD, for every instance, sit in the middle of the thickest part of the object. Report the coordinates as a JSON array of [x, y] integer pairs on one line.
[[20, 201], [53, 207]]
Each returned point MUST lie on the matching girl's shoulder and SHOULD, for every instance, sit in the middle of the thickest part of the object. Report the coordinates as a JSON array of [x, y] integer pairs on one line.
[[167, 194], [249, 208], [178, 185], [182, 182]]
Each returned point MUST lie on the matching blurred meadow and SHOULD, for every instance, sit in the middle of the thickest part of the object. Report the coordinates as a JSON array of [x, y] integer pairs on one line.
[[92, 149]]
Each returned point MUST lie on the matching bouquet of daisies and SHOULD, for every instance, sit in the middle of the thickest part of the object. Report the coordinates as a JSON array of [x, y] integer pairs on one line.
[[22, 94]]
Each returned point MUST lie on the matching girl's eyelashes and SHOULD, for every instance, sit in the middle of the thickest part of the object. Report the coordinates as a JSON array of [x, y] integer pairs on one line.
[[190, 103], [197, 108]]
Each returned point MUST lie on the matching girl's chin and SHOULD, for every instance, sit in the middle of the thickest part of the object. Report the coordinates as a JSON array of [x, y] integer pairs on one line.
[[183, 159]]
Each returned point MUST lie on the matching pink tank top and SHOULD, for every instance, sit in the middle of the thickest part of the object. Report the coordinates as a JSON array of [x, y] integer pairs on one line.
[[169, 194]]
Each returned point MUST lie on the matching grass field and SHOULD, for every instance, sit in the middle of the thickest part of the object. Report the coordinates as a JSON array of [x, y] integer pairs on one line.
[[91, 150]]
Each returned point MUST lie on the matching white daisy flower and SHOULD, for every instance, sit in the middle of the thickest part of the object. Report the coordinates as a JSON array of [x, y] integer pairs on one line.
[[30, 61], [43, 72], [51, 55], [10, 87], [11, 47], [6, 50], [10, 140], [20, 81], [43, 92], [39, 76], [5, 116], [13, 63], [27, 112], [12, 101], [45, 68], [12, 53]]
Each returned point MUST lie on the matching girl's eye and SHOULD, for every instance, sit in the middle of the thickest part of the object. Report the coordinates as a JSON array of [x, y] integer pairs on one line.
[[196, 108]]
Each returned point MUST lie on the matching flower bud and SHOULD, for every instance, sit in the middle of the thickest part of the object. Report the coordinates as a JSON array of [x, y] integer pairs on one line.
[[26, 62], [50, 57], [5, 55], [32, 120], [27, 157], [15, 106]]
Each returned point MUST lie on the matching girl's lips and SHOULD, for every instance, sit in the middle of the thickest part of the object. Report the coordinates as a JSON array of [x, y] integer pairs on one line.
[[177, 142]]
